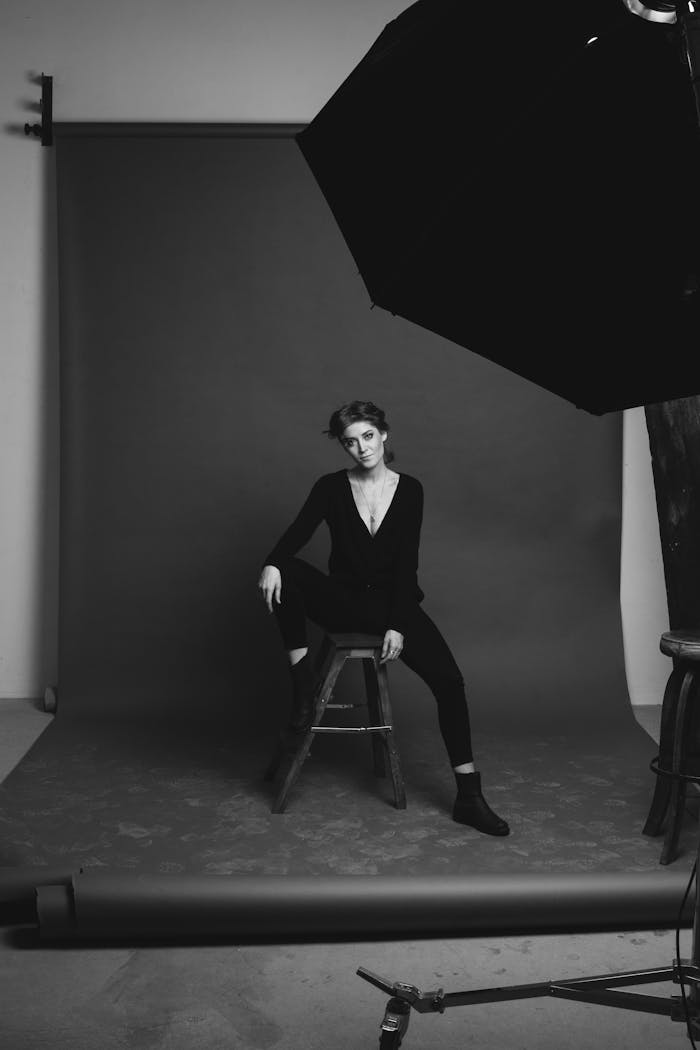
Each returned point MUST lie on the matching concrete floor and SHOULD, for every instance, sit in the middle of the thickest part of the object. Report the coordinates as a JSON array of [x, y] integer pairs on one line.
[[293, 996]]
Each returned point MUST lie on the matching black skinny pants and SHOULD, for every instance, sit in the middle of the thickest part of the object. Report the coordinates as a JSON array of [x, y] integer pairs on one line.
[[308, 592]]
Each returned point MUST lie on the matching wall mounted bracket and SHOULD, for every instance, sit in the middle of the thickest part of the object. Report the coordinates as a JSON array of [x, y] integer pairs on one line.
[[45, 129]]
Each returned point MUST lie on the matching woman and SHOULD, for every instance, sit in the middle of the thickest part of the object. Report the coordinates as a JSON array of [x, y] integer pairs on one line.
[[374, 515]]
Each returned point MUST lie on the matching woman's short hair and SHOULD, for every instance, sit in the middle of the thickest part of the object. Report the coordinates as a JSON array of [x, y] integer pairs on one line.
[[358, 412]]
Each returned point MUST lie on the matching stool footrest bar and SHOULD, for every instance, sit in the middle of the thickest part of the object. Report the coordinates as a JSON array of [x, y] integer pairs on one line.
[[656, 768], [350, 729]]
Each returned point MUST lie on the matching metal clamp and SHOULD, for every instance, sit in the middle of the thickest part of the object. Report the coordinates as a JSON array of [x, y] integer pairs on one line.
[[439, 1001], [45, 129]]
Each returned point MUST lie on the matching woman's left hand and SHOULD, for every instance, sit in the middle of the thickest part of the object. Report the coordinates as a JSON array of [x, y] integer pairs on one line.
[[393, 644]]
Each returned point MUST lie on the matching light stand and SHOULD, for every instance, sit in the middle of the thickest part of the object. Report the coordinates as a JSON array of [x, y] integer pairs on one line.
[[596, 990], [584, 989]]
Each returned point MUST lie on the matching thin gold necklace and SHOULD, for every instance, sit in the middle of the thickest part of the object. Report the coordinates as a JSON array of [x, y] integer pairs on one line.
[[372, 514]]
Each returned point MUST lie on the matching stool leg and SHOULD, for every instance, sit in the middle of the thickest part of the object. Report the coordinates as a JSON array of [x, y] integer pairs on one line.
[[286, 745], [677, 805], [388, 736], [374, 715], [321, 664], [662, 789], [324, 656], [271, 771], [301, 755]]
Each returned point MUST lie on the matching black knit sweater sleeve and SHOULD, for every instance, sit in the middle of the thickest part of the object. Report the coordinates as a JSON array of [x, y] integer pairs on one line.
[[303, 527], [405, 587]]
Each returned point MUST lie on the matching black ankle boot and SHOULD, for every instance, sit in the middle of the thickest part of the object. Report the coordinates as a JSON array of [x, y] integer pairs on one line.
[[303, 695], [472, 808]]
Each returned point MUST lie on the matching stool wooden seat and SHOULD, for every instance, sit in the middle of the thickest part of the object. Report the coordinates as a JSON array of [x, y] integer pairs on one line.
[[335, 650], [675, 743]]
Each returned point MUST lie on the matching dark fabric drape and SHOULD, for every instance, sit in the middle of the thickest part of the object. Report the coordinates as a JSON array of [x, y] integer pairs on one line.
[[211, 320]]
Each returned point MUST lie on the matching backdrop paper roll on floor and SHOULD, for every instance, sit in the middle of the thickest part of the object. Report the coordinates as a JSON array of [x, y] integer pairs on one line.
[[55, 910], [19, 884], [284, 908], [18, 889]]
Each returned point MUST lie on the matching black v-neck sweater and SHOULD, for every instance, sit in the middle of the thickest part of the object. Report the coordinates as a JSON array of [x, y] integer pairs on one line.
[[386, 561]]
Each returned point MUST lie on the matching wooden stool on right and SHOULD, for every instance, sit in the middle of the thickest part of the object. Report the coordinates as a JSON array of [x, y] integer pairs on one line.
[[675, 740]]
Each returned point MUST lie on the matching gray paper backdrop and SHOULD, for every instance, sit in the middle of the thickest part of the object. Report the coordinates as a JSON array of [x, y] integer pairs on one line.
[[211, 320]]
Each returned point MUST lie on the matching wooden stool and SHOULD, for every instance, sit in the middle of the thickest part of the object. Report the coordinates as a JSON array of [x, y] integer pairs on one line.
[[674, 740], [336, 649]]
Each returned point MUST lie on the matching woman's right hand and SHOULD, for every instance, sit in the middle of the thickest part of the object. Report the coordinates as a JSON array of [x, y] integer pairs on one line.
[[270, 583]]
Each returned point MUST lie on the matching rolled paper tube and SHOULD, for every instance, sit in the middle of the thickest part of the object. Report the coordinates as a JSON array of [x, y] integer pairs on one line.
[[20, 883], [54, 906], [246, 908], [18, 890]]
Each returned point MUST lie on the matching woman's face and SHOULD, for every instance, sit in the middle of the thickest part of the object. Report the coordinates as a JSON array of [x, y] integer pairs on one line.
[[364, 443]]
